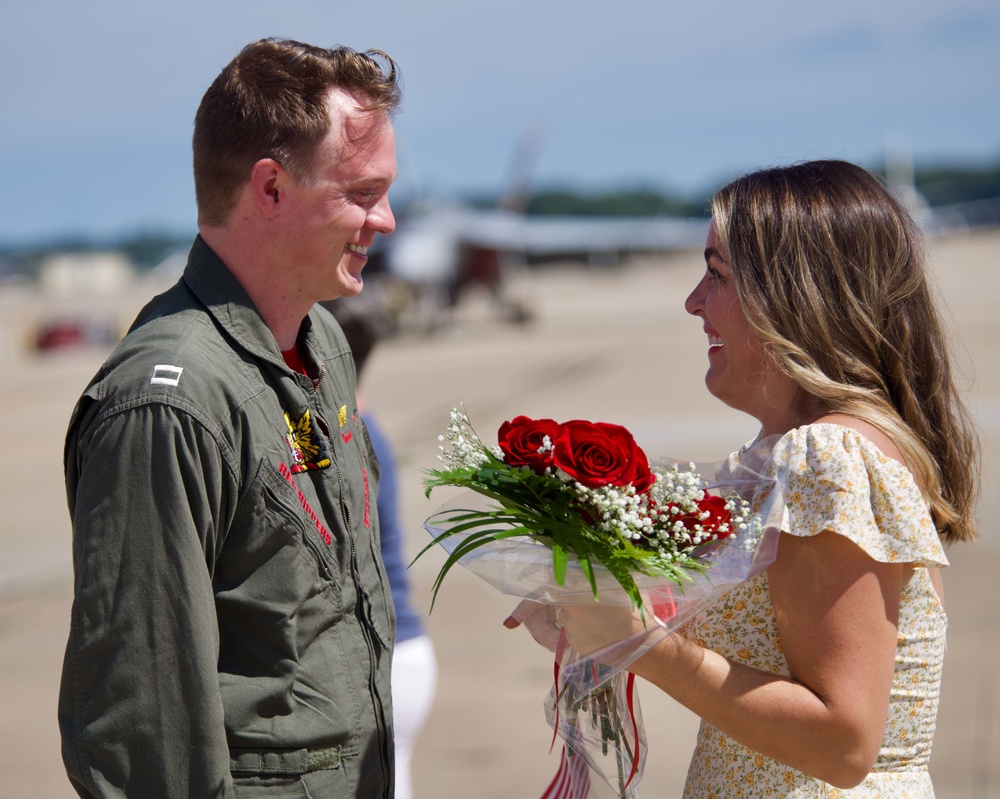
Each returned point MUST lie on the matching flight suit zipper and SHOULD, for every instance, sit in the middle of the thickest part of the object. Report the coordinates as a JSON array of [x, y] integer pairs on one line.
[[364, 611], [363, 608]]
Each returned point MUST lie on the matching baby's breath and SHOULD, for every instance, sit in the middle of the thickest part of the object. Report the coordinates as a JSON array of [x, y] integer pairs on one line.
[[464, 450], [668, 520]]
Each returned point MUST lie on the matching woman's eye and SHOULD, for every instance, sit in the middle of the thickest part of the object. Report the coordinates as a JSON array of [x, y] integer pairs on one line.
[[714, 273]]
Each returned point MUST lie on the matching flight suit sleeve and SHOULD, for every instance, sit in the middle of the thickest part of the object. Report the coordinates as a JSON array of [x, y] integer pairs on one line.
[[140, 712]]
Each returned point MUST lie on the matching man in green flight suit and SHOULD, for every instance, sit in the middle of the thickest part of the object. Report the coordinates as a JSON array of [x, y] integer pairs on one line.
[[232, 624]]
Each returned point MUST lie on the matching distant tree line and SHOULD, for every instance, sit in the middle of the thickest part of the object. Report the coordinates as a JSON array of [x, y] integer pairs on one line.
[[944, 185], [144, 250], [627, 202], [940, 184]]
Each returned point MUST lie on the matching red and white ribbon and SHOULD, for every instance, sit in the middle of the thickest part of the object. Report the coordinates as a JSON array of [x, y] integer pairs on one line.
[[572, 780]]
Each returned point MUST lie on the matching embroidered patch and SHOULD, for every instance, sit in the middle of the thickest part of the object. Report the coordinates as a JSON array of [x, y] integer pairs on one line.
[[347, 436], [342, 415], [286, 472], [368, 505], [165, 374], [306, 444]]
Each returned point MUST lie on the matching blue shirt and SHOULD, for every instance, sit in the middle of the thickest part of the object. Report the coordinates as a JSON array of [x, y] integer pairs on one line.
[[408, 623]]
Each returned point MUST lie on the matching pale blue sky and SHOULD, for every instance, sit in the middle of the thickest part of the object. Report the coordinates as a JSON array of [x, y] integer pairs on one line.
[[98, 98]]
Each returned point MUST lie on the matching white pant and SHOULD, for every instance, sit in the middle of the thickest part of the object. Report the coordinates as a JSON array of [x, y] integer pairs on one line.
[[414, 678]]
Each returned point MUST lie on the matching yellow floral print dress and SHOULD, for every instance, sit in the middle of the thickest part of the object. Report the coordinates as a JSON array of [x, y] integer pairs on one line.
[[835, 479]]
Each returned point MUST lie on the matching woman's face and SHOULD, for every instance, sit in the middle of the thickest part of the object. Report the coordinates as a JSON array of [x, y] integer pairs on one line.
[[739, 371]]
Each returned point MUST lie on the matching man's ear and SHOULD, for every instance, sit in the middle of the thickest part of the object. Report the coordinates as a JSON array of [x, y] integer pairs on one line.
[[267, 184]]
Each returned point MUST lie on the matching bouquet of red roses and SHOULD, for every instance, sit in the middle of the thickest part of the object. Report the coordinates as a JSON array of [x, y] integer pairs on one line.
[[574, 512], [586, 490]]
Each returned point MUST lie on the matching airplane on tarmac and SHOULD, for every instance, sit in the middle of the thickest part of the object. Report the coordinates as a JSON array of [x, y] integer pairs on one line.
[[439, 251]]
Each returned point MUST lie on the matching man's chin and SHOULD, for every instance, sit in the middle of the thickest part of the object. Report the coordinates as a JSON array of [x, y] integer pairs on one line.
[[351, 286]]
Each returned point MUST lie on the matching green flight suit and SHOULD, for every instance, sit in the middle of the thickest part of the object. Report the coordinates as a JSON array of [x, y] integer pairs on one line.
[[232, 622]]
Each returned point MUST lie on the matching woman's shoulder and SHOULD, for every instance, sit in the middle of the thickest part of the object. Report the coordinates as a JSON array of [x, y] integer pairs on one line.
[[838, 440], [867, 430], [845, 474]]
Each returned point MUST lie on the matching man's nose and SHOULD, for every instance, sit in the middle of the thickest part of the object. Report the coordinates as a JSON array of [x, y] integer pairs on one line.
[[380, 217]]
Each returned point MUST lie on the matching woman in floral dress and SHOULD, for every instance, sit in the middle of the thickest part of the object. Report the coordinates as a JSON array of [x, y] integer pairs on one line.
[[820, 677]]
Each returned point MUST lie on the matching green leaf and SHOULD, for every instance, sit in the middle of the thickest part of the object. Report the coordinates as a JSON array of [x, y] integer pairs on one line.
[[560, 560]]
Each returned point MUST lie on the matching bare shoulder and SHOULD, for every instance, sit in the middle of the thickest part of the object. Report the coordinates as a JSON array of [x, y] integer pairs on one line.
[[868, 430]]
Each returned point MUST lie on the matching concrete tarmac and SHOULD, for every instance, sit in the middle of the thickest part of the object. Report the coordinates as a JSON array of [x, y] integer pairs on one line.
[[608, 344]]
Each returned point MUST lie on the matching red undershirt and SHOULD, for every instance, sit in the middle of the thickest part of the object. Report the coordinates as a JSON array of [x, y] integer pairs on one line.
[[293, 358]]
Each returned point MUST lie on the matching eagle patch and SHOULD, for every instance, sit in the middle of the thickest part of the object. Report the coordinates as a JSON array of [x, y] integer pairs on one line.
[[306, 444]]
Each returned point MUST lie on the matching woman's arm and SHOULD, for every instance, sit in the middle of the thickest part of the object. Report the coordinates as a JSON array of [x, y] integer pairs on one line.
[[836, 611]]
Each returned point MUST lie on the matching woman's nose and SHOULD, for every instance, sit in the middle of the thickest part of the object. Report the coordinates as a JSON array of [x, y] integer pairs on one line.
[[695, 300]]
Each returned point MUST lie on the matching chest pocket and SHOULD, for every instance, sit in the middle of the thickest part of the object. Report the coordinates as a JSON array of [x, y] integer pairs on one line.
[[276, 554]]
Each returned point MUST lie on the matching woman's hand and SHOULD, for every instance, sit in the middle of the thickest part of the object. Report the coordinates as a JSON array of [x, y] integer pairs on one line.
[[539, 618], [588, 628]]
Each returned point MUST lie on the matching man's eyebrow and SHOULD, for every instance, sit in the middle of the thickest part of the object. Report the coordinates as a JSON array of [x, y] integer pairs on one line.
[[372, 180]]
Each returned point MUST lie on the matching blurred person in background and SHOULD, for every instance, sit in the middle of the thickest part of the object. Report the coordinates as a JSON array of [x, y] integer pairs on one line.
[[414, 667], [232, 622], [821, 675]]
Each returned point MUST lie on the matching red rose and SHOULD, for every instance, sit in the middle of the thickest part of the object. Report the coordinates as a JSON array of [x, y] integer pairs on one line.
[[522, 441], [597, 454], [718, 514]]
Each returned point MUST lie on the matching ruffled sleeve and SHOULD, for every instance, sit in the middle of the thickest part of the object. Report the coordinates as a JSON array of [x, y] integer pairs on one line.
[[836, 479]]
